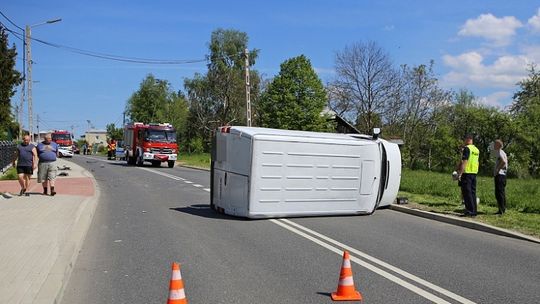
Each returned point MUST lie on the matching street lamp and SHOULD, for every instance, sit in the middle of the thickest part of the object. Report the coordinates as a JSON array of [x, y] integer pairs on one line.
[[28, 39]]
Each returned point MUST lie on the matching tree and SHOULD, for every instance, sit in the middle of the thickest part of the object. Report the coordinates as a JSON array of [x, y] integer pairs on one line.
[[526, 111], [9, 79], [156, 102], [294, 99], [218, 97], [421, 96], [364, 85], [114, 133]]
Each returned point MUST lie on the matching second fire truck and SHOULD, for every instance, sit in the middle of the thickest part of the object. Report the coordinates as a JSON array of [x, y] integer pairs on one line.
[[154, 143]]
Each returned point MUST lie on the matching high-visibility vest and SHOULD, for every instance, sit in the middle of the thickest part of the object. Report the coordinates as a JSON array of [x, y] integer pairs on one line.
[[472, 162]]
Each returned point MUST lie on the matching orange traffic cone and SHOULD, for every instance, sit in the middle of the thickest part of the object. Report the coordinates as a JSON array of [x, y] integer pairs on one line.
[[345, 290], [176, 287]]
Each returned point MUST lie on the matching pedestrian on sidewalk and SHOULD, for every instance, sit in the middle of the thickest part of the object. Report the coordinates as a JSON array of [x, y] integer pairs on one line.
[[47, 152], [499, 175], [26, 159], [467, 172]]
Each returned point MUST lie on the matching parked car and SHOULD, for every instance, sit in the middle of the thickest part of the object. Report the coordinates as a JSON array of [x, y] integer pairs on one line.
[[120, 151], [65, 151]]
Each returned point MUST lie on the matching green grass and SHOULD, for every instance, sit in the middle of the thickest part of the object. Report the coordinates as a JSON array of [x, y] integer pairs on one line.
[[201, 160], [10, 174], [437, 192]]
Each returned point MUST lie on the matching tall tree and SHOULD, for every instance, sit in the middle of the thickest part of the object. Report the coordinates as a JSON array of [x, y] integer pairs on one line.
[[219, 97], [421, 96], [155, 101], [9, 79], [145, 104], [363, 85], [294, 99], [526, 110], [114, 133]]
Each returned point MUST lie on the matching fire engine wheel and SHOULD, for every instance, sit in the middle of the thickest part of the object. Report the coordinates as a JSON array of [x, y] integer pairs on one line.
[[170, 163]]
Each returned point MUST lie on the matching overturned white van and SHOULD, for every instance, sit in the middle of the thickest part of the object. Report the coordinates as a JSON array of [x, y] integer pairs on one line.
[[264, 173]]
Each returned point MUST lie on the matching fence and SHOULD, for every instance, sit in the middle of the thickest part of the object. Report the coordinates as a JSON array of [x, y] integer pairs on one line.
[[7, 148]]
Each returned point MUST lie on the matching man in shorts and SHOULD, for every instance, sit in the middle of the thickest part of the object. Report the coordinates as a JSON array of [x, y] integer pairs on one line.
[[26, 160], [47, 151]]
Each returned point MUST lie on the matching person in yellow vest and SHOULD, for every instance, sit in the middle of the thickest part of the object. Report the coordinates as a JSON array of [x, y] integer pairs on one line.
[[111, 149], [467, 172]]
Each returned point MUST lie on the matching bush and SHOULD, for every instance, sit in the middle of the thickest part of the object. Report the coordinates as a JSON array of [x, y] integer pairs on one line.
[[196, 145], [10, 174]]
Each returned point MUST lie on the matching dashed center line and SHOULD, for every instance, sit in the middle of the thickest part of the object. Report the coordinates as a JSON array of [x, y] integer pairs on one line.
[[178, 178]]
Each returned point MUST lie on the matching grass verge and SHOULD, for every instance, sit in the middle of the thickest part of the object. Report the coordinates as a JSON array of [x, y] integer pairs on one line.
[[436, 192], [201, 160]]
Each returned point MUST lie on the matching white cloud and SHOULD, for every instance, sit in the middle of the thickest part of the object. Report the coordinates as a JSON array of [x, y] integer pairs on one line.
[[497, 99], [469, 69], [499, 31], [534, 22]]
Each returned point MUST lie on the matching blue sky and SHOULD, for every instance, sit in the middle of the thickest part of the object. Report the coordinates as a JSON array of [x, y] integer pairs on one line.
[[481, 45]]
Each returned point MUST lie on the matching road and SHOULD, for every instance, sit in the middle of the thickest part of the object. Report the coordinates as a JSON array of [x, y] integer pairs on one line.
[[149, 217]]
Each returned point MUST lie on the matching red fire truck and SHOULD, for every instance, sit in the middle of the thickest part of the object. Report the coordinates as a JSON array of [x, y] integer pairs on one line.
[[62, 138], [65, 142], [154, 142]]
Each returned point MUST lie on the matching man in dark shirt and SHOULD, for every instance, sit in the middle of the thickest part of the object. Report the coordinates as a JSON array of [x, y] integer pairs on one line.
[[26, 159], [47, 152]]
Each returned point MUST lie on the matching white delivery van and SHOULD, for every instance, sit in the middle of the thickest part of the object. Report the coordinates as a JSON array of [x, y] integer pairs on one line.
[[264, 173]]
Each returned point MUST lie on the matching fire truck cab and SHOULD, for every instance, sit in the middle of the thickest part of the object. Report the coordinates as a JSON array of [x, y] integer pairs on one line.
[[154, 143], [65, 142]]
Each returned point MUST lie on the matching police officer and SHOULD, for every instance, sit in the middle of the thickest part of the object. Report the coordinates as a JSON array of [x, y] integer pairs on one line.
[[468, 170]]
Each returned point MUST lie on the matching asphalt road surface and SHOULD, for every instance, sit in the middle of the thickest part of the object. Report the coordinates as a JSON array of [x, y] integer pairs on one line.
[[149, 217]]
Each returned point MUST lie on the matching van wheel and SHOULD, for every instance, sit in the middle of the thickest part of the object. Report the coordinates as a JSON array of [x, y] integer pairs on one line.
[[170, 163]]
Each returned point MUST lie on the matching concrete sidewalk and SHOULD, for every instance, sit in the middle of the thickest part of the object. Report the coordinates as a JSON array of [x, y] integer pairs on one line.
[[41, 235]]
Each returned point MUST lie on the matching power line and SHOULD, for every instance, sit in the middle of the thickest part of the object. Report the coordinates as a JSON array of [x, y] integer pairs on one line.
[[9, 20]]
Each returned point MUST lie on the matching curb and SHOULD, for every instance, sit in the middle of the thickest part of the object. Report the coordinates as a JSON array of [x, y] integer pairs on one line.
[[193, 167], [464, 223]]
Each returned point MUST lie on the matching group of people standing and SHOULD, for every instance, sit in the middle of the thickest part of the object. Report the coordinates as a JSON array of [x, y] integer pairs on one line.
[[43, 156], [468, 169]]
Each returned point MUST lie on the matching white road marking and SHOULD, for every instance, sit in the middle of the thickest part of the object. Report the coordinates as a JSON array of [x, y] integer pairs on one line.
[[207, 189], [188, 182], [291, 226], [197, 185]]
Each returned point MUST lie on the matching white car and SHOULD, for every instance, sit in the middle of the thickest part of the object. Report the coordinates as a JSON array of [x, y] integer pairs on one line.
[[65, 151]]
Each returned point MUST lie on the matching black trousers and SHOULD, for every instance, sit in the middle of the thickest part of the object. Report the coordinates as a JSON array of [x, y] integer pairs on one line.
[[468, 190], [500, 195]]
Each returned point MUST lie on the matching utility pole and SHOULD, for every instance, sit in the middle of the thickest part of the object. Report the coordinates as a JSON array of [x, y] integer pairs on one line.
[[29, 79], [248, 95], [23, 91], [27, 38]]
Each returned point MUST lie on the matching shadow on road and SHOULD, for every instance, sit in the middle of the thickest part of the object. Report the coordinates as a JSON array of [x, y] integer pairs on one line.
[[204, 210]]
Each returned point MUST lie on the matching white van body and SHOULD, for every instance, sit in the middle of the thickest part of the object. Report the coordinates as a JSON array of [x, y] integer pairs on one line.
[[265, 173]]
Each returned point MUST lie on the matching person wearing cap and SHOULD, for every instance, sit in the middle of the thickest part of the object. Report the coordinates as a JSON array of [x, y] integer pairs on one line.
[[467, 172], [499, 174]]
